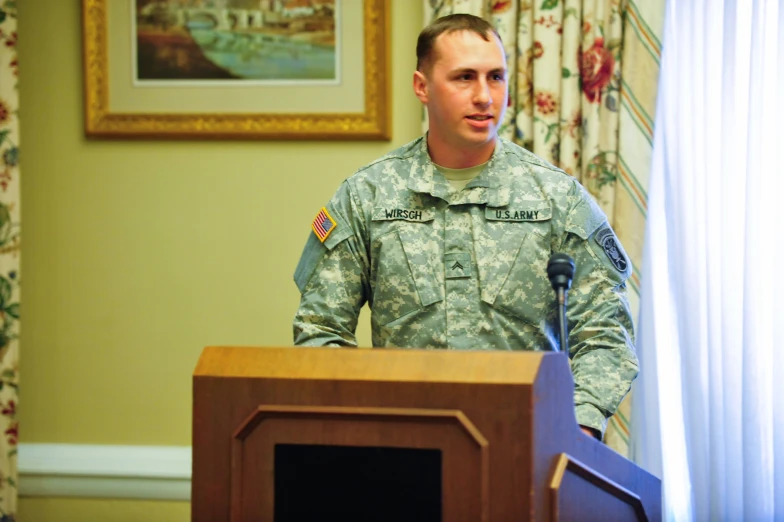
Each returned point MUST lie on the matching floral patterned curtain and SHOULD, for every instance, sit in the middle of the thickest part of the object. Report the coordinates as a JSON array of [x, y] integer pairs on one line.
[[582, 92], [9, 260]]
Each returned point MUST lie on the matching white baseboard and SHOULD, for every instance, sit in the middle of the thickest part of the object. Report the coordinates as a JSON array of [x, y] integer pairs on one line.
[[102, 471]]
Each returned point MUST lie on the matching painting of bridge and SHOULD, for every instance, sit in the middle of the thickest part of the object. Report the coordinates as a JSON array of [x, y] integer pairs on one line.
[[236, 40]]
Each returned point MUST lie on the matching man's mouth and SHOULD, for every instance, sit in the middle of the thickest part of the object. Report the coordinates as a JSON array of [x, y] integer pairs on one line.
[[480, 117]]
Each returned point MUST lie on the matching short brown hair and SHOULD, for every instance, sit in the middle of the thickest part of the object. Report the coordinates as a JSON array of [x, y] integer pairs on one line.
[[449, 24]]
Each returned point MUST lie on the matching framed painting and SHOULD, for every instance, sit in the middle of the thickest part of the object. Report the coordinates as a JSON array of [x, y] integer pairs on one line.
[[237, 69]]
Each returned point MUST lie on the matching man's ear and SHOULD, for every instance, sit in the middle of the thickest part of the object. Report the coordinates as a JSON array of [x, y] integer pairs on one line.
[[420, 86]]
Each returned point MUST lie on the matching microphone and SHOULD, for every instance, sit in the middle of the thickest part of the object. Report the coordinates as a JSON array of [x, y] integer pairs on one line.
[[560, 271]]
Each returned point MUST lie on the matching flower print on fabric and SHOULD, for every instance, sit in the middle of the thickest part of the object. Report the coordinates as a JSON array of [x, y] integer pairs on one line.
[[596, 68]]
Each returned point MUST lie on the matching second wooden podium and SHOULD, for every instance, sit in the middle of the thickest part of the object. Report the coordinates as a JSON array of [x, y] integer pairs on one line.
[[301, 434]]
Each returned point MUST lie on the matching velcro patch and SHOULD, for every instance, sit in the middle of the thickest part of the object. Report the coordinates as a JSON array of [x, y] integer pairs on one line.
[[458, 265], [404, 214], [518, 214], [607, 240], [323, 224]]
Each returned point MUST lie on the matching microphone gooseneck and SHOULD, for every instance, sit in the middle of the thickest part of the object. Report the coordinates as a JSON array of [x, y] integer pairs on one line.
[[560, 271]]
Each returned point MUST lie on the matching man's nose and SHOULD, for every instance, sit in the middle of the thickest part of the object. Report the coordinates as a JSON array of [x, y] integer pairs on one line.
[[482, 94]]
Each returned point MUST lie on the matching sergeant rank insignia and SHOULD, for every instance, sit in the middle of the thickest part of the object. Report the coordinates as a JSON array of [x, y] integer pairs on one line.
[[323, 225]]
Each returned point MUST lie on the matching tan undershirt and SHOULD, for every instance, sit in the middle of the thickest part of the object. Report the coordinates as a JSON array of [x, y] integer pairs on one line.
[[459, 178]]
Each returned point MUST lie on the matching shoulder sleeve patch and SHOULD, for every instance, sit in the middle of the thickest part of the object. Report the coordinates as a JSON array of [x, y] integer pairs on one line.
[[330, 228], [605, 238], [323, 224]]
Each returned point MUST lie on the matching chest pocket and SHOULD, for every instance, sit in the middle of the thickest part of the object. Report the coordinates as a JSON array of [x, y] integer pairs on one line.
[[402, 254], [512, 260]]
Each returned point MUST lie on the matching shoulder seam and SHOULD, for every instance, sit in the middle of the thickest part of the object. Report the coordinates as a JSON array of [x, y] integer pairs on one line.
[[385, 158], [529, 157]]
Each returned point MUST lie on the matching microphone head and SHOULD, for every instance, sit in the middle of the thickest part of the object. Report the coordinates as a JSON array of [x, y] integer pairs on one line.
[[560, 271]]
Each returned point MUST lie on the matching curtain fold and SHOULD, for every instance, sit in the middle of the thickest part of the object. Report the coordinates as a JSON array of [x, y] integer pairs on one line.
[[711, 416], [582, 84], [9, 260]]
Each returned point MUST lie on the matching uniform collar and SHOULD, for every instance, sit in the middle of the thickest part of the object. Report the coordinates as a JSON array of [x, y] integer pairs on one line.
[[487, 188]]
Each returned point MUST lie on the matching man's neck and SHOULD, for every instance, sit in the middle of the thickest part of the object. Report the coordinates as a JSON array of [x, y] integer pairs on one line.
[[456, 158]]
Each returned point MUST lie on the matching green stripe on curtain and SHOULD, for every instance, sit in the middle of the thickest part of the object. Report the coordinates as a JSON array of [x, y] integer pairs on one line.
[[639, 110], [650, 34]]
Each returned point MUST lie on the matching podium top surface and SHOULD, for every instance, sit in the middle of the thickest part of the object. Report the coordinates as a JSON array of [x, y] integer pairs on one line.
[[360, 364]]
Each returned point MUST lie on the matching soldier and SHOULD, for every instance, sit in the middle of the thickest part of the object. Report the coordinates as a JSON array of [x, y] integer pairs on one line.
[[447, 238]]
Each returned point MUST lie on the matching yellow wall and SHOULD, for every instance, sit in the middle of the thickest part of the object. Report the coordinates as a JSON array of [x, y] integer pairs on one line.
[[106, 510], [138, 254]]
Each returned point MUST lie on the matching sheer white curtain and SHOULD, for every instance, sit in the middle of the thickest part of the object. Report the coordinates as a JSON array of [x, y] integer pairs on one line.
[[709, 403]]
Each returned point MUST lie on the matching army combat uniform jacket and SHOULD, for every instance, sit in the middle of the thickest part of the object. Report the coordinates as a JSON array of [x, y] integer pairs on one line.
[[467, 270]]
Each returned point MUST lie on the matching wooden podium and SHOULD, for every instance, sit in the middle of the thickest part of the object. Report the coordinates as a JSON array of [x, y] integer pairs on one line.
[[321, 434]]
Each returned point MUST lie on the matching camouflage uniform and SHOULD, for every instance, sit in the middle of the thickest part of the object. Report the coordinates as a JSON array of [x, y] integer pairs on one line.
[[467, 270]]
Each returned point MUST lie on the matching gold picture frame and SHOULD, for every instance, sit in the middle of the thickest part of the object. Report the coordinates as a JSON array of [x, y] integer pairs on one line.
[[371, 122]]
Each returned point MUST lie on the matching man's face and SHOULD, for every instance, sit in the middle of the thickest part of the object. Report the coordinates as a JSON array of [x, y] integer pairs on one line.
[[464, 90]]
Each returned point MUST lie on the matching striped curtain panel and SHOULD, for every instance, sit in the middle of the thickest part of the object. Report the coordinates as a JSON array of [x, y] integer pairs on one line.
[[9, 261], [582, 92]]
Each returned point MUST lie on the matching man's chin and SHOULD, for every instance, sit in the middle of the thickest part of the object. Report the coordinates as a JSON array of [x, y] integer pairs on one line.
[[480, 138]]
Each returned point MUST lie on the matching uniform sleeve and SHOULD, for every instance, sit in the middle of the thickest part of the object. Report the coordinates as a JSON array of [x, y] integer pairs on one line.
[[601, 329], [332, 278]]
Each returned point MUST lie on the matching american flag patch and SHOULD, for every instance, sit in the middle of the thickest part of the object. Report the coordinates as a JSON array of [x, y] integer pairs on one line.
[[323, 225]]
